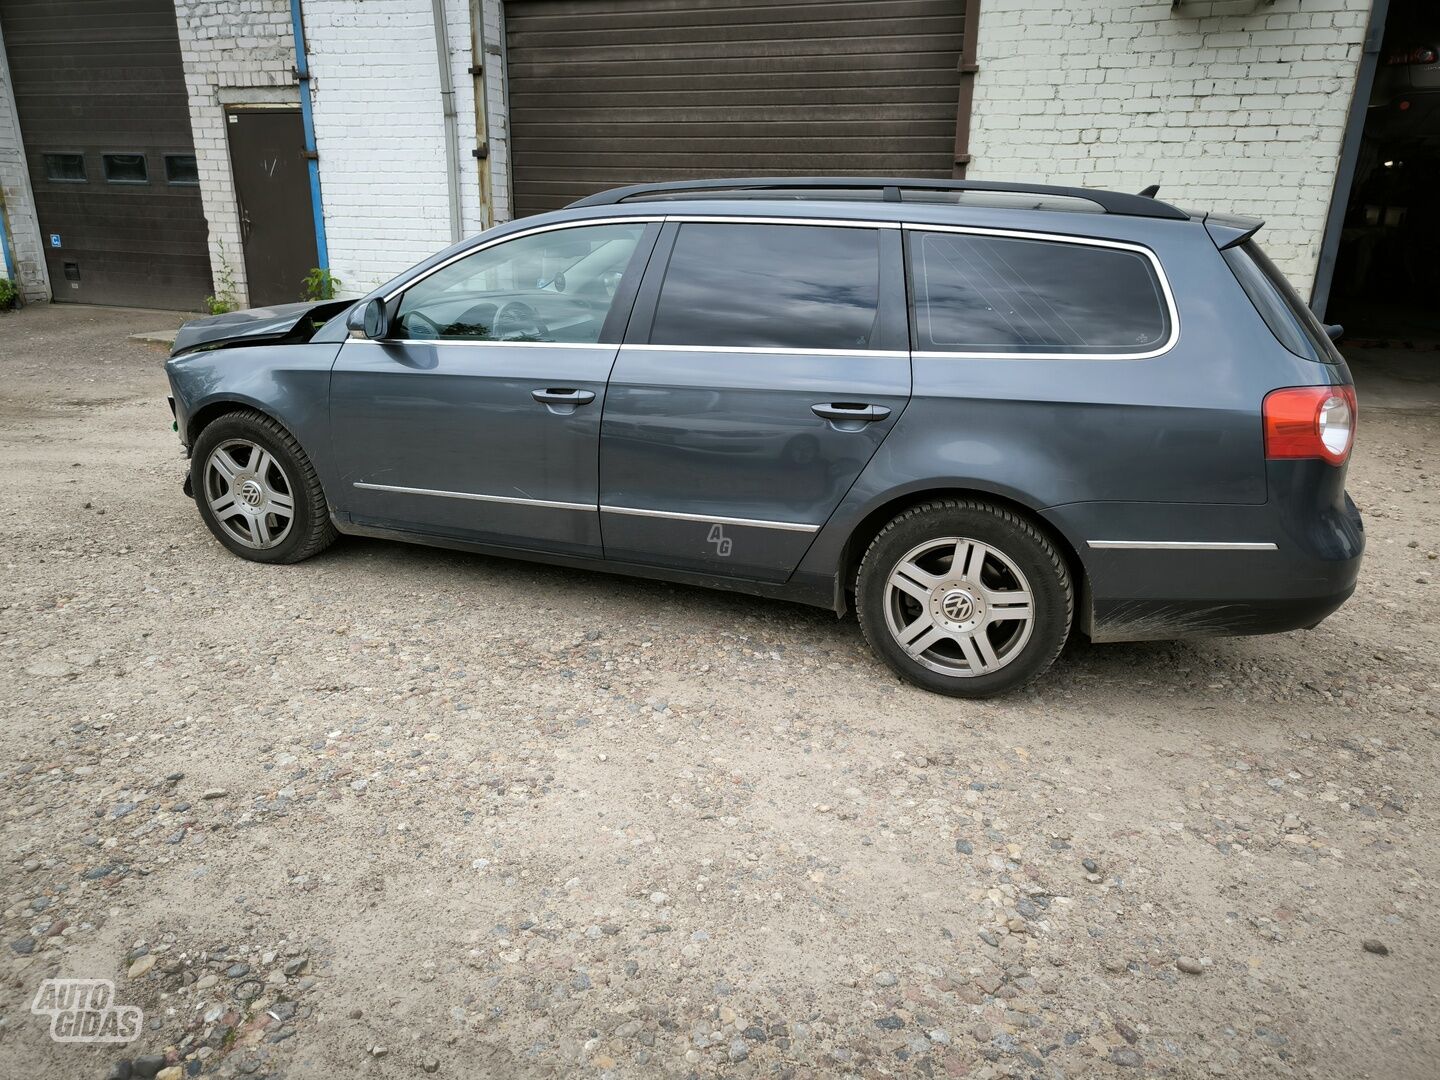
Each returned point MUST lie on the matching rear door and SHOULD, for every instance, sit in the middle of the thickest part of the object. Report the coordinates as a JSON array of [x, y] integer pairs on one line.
[[765, 363]]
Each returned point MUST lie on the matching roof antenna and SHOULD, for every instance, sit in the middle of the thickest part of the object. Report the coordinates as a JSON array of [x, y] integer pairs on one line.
[[1151, 191]]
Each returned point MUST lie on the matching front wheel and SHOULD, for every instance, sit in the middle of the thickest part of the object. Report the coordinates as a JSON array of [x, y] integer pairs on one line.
[[964, 598], [257, 491]]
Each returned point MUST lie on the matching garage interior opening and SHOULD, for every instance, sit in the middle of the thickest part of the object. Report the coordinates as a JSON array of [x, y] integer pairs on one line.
[[1387, 270]]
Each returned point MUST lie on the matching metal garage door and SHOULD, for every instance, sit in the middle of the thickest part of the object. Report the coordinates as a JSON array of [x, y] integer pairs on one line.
[[607, 92], [106, 127]]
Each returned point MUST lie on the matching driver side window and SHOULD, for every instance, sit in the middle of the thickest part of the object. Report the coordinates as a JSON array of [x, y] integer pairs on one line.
[[549, 286]]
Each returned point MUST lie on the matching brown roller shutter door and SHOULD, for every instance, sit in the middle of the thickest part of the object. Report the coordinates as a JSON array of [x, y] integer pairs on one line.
[[610, 92], [101, 94]]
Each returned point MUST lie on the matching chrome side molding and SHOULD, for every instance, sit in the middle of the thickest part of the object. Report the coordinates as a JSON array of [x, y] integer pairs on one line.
[[1182, 545]]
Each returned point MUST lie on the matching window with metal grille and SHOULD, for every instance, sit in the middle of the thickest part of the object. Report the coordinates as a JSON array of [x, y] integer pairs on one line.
[[126, 169], [181, 169], [65, 168]]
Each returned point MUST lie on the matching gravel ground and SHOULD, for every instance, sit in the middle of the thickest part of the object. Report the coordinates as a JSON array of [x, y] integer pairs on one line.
[[398, 811]]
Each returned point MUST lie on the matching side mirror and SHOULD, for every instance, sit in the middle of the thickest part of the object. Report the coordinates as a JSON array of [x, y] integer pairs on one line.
[[1335, 331], [370, 319]]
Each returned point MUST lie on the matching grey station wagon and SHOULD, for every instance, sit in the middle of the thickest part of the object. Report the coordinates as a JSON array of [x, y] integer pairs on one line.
[[980, 414]]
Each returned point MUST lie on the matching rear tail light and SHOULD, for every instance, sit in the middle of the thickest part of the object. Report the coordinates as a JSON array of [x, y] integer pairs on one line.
[[1421, 54], [1310, 422]]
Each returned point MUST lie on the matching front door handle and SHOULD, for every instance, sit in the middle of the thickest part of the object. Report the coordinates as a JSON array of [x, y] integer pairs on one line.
[[846, 410], [562, 401]]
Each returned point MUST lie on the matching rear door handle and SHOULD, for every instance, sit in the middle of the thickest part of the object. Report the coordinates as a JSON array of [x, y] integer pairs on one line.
[[562, 401], [846, 410]]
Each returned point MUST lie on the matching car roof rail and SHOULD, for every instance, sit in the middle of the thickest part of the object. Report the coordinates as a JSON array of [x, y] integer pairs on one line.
[[891, 189]]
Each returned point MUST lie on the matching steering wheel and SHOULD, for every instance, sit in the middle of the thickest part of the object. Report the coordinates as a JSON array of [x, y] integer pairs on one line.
[[430, 328], [518, 321]]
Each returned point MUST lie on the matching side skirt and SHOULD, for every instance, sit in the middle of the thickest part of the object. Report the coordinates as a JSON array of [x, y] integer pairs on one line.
[[812, 594]]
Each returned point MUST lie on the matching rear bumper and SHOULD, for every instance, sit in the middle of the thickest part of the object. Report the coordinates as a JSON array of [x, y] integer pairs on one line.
[[1139, 594]]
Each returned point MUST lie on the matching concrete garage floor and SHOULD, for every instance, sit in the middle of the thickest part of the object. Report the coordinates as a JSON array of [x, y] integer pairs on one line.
[[395, 811]]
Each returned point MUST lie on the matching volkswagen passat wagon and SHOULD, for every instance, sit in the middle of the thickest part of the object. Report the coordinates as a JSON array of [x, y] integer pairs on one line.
[[984, 416]]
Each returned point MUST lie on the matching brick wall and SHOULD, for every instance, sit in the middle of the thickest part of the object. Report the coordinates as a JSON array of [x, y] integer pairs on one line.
[[234, 51], [1241, 113], [16, 201], [379, 129]]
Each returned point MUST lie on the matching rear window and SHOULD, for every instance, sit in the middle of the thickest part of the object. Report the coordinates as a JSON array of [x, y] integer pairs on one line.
[[982, 293], [1289, 318], [770, 286]]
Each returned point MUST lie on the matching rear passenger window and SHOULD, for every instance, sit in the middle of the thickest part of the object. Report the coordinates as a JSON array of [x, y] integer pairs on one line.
[[981, 293], [770, 286]]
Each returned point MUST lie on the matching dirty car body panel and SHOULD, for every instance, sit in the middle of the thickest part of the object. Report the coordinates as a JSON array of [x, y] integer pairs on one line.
[[568, 417]]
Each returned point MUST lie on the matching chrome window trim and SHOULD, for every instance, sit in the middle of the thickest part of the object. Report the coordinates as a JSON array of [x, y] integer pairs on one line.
[[760, 219], [772, 350], [1084, 241], [626, 219], [787, 526], [554, 226], [471, 343], [857, 223], [471, 496], [1182, 545]]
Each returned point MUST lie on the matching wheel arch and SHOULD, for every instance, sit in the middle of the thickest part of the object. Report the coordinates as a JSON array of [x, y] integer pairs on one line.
[[215, 408], [875, 519], [219, 407]]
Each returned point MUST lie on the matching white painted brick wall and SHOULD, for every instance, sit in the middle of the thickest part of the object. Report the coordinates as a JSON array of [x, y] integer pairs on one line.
[[231, 49], [379, 128], [21, 223], [1239, 114], [378, 121]]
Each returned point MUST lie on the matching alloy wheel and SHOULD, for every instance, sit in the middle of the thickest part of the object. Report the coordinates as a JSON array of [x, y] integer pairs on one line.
[[959, 606], [249, 494]]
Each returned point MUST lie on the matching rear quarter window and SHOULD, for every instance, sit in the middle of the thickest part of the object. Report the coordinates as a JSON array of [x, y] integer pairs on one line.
[[1288, 317], [987, 294]]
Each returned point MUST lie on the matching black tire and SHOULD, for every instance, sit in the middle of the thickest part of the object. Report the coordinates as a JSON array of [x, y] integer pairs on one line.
[[1012, 538], [310, 531]]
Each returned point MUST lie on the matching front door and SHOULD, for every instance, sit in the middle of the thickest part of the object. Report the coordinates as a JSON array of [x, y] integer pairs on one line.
[[272, 192], [479, 418], [765, 365]]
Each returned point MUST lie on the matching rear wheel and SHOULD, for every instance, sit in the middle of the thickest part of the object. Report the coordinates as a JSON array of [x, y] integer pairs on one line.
[[964, 598], [257, 491]]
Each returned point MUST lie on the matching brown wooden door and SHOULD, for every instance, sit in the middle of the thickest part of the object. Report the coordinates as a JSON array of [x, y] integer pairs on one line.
[[106, 124], [610, 92], [272, 193]]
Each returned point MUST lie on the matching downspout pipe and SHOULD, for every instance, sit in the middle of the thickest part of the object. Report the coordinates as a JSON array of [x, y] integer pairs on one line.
[[482, 122], [452, 135], [307, 120], [10, 271]]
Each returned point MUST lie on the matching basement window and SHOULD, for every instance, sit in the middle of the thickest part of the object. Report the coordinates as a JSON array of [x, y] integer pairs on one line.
[[126, 169], [181, 169], [65, 168]]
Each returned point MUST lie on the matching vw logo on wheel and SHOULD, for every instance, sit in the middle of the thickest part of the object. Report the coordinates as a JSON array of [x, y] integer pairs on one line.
[[251, 493], [958, 605]]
